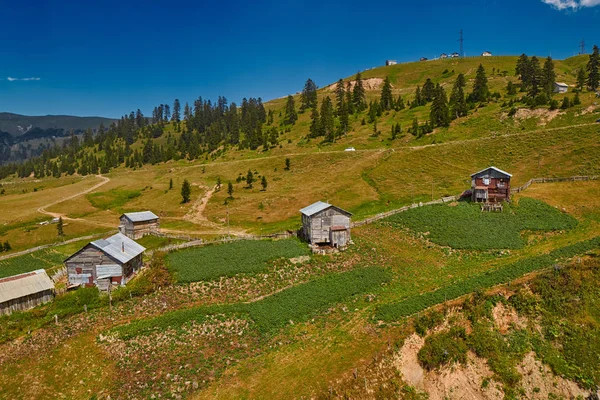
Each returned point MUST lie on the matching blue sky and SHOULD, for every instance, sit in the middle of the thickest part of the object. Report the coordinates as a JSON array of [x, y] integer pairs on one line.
[[111, 57]]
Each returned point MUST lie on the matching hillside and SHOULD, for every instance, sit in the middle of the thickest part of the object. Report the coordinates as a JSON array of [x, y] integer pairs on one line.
[[439, 301], [18, 125]]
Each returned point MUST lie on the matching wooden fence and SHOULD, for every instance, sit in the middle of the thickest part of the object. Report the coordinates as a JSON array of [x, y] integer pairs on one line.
[[553, 180]]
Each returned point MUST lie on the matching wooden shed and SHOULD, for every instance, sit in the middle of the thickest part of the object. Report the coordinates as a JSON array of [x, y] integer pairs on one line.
[[490, 185], [24, 291], [105, 262], [323, 223], [138, 224]]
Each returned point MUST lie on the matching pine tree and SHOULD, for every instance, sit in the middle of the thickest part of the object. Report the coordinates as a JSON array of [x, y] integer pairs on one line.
[[309, 95], [565, 103], [387, 99], [218, 186], [249, 179], [576, 100], [349, 100], [593, 70], [340, 97], [548, 77], [7, 246], [581, 79], [428, 91], [263, 183], [458, 103], [535, 78], [170, 183], [230, 190], [176, 117], [415, 127], [523, 71], [186, 191], [439, 114], [511, 89], [315, 125], [418, 101], [400, 103], [327, 120], [290, 111], [187, 112], [359, 98], [288, 163], [59, 227], [480, 87]]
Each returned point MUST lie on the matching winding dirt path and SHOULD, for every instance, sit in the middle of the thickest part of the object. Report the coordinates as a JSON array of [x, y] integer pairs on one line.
[[43, 208]]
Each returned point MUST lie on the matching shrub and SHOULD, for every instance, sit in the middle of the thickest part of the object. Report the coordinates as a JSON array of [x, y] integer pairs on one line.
[[444, 348]]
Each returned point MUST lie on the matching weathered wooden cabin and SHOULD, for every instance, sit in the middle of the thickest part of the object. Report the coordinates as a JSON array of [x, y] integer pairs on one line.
[[24, 291], [490, 185], [326, 224], [105, 262], [137, 224]]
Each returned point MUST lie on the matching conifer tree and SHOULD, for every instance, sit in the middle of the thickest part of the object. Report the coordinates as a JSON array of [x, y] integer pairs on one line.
[[340, 96], [230, 189], [565, 103], [576, 100], [428, 91], [290, 111], [439, 114], [176, 117], [186, 191], [593, 70], [480, 87], [249, 179], [418, 101], [218, 185], [263, 183], [359, 98], [170, 183], [535, 78], [387, 99], [308, 96], [59, 227], [523, 71], [315, 125], [288, 163], [458, 103], [415, 127], [400, 103], [511, 89], [349, 100], [7, 246], [581, 79], [548, 77], [327, 120]]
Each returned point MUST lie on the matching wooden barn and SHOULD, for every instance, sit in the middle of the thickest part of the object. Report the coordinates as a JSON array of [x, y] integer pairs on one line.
[[325, 224], [105, 262], [25, 291], [138, 224], [490, 185]]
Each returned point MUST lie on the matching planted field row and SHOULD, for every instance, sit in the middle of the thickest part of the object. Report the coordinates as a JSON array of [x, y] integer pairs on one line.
[[42, 259], [464, 226], [225, 260], [412, 305], [297, 304]]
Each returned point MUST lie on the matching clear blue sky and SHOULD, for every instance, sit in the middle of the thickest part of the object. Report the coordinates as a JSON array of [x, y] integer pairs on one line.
[[109, 57]]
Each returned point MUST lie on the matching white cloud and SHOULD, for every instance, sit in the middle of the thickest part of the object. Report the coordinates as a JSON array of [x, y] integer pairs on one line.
[[11, 79], [572, 5]]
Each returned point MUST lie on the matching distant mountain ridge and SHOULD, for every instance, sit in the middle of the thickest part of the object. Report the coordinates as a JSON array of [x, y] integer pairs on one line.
[[18, 125]]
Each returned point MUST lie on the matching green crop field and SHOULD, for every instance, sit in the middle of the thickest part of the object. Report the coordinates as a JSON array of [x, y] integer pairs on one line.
[[214, 261], [42, 259], [296, 304], [464, 226]]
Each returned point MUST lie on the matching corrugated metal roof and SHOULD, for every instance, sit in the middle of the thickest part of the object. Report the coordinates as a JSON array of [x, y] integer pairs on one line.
[[120, 247], [14, 287], [494, 168], [141, 216], [562, 84], [315, 208]]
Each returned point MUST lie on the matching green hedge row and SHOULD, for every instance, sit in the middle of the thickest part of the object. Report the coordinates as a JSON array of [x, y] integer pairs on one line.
[[412, 305]]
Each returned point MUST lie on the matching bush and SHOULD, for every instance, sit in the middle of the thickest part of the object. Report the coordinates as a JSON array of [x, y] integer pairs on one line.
[[444, 348], [428, 321]]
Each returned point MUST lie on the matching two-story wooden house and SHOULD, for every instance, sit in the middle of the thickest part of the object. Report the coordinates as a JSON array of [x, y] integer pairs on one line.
[[490, 185]]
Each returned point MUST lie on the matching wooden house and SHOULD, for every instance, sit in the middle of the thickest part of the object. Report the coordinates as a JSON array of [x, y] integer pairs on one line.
[[490, 185], [326, 224], [105, 262], [560, 87], [138, 224], [25, 291]]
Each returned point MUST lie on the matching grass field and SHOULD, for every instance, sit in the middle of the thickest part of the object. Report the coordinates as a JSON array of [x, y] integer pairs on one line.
[[464, 226], [223, 260]]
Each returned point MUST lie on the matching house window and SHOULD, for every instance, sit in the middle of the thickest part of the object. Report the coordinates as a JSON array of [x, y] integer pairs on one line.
[[501, 185], [486, 181]]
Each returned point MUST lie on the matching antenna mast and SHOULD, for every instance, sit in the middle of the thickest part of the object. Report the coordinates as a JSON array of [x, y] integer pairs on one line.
[[462, 52], [582, 47]]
